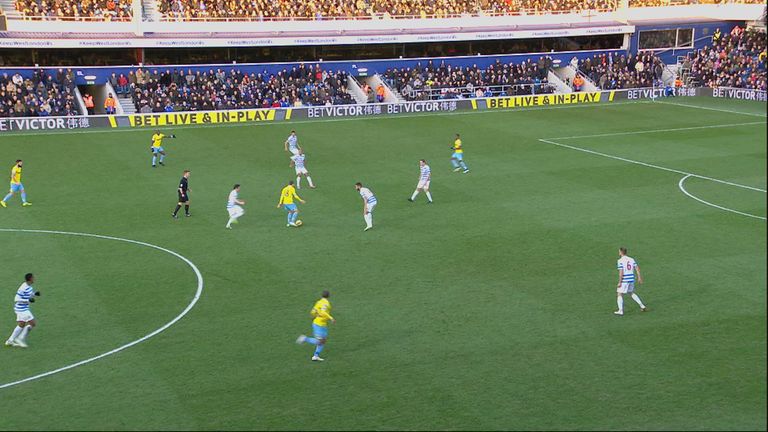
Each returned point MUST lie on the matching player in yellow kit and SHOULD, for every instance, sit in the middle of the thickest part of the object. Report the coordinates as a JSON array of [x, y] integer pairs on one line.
[[287, 195], [16, 186], [458, 156], [321, 313], [157, 147]]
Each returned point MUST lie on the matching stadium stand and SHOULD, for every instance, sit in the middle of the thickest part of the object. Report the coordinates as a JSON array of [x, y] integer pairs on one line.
[[449, 82], [736, 59], [39, 95], [360, 9], [177, 90], [619, 71], [74, 10]]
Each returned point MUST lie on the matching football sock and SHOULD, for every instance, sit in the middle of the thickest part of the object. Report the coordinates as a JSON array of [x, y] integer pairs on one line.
[[309, 179], [429, 196], [368, 219], [289, 217], [15, 334], [620, 303], [298, 182], [25, 332], [636, 298], [319, 349], [295, 216], [415, 194], [175, 212], [7, 197], [154, 160], [162, 158], [186, 208], [463, 165], [229, 223], [23, 197], [455, 163], [311, 340]]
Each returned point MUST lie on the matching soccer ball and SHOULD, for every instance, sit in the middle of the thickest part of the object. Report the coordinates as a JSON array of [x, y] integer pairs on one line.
[[299, 223]]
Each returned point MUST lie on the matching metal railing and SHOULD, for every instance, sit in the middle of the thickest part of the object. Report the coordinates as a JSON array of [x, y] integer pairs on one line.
[[438, 93]]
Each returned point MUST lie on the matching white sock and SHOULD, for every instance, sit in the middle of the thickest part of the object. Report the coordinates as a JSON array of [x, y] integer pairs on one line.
[[25, 332], [368, 219], [415, 194], [309, 179], [229, 224], [636, 298], [620, 303], [15, 333], [429, 196], [298, 182]]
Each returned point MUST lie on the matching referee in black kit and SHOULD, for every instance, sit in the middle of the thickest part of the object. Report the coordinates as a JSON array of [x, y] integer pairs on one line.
[[183, 195]]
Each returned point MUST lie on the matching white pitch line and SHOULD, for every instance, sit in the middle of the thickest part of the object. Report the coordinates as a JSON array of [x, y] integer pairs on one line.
[[682, 188], [321, 120], [181, 315], [659, 130], [712, 109], [651, 165]]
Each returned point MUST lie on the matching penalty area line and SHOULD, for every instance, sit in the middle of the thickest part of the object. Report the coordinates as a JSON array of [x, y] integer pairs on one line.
[[680, 185], [165, 327]]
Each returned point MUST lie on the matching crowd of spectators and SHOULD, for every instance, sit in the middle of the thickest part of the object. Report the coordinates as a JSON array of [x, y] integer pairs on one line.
[[179, 90], [451, 82], [622, 71], [330, 9], [735, 59], [39, 95], [655, 3], [91, 10]]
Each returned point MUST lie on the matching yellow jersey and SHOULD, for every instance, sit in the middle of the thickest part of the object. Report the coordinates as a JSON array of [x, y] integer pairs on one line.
[[16, 174], [157, 140], [322, 312], [288, 194], [457, 146]]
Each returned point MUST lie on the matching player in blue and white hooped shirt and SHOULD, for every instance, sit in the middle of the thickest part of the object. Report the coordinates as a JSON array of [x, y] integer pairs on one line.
[[627, 267], [298, 161], [233, 206], [369, 203], [292, 143], [25, 321], [425, 176]]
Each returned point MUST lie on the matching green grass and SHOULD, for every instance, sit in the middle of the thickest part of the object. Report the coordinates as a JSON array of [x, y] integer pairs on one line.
[[491, 309]]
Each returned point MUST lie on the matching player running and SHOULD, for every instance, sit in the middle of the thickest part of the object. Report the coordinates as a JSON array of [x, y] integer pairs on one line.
[[298, 162], [183, 191], [287, 195], [321, 313], [157, 148], [25, 321], [369, 203], [627, 268], [425, 176], [233, 206], [16, 186], [292, 144], [458, 156]]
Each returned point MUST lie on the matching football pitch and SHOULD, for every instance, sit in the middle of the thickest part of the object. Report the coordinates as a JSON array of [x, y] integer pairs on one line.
[[490, 309]]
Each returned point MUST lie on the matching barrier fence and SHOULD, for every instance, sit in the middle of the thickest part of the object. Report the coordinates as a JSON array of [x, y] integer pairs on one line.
[[35, 124]]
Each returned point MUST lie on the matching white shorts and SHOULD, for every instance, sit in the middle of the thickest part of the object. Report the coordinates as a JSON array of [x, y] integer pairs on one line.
[[423, 184], [371, 207], [626, 288], [301, 171], [235, 211], [294, 151], [25, 316]]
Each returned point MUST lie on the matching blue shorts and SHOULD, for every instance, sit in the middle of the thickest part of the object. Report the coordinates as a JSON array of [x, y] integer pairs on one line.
[[157, 150], [16, 188], [290, 207], [320, 332], [458, 156]]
